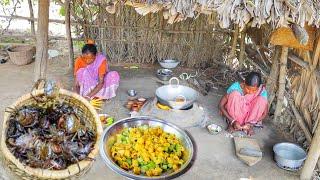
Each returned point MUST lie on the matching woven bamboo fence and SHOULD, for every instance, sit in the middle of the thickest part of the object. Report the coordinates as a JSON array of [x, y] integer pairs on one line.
[[127, 37]]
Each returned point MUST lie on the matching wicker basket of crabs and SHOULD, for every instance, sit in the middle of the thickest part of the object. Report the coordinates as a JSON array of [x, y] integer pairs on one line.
[[50, 136]]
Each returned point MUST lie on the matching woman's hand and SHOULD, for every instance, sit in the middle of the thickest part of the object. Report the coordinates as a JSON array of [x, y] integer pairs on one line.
[[76, 86], [97, 88], [237, 126]]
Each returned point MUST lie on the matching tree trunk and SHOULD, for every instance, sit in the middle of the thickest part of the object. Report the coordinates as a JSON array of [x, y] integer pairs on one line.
[[282, 82], [33, 31], [313, 156], [271, 84], [42, 40], [68, 33]]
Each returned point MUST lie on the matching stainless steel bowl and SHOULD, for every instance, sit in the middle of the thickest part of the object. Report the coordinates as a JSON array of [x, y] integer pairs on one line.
[[132, 92], [214, 129], [164, 74], [109, 134], [289, 156], [169, 63]]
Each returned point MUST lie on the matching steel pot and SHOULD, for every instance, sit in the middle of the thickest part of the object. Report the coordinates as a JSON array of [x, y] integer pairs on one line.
[[169, 63], [176, 96], [111, 132], [164, 74], [289, 156]]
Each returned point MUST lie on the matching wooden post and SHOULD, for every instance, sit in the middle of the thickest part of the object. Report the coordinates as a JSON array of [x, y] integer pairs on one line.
[[313, 156], [301, 122], [42, 40], [33, 31], [242, 47], [282, 81], [234, 41], [273, 75], [68, 33]]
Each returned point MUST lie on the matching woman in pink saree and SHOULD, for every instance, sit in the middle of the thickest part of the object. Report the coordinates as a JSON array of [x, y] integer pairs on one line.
[[245, 104], [92, 76]]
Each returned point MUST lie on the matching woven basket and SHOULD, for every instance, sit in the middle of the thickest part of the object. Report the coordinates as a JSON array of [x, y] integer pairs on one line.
[[21, 55], [72, 171]]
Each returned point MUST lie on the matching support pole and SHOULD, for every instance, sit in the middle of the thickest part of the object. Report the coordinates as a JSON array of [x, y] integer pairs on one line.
[[282, 81], [33, 31], [234, 40], [313, 156], [68, 33], [273, 76], [42, 40]]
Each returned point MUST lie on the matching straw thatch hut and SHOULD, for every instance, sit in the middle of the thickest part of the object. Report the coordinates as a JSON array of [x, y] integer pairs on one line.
[[211, 32]]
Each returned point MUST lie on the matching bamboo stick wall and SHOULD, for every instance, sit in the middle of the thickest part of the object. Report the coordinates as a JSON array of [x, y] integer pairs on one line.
[[132, 38]]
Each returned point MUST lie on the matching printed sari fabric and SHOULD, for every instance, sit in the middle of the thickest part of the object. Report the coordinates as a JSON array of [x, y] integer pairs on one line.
[[88, 78], [247, 108]]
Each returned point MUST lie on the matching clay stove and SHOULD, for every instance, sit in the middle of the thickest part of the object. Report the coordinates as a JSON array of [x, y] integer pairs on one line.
[[190, 117]]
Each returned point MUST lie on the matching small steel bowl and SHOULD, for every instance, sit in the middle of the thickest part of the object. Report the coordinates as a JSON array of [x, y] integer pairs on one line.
[[164, 74], [132, 92], [169, 63], [214, 129]]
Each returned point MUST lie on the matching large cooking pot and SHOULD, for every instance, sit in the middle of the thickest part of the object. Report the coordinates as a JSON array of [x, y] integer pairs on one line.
[[110, 133], [176, 96]]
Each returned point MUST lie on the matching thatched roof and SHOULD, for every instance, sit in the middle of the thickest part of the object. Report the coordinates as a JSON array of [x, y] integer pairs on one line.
[[256, 12]]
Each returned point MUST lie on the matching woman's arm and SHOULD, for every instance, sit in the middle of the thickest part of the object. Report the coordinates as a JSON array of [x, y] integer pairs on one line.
[[97, 88], [224, 111], [76, 86]]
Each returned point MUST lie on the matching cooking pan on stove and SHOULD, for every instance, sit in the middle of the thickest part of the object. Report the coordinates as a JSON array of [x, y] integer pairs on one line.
[[176, 96]]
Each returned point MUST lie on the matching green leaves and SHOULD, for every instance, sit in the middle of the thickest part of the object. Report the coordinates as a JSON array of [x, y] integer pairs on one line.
[[62, 11], [4, 2]]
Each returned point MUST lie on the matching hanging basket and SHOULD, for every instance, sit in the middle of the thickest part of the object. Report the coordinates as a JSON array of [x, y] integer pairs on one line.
[[21, 55], [85, 110]]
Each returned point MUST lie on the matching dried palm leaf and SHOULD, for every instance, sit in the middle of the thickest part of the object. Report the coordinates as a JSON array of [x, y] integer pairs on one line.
[[307, 117]]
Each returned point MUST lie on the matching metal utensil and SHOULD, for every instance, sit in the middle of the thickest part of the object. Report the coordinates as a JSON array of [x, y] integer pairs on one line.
[[167, 95], [214, 129], [169, 63], [164, 74], [289, 156], [110, 133], [132, 92], [250, 152]]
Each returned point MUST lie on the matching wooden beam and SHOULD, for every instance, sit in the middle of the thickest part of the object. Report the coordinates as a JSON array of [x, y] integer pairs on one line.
[[282, 82], [302, 63], [42, 41], [300, 33], [35, 19], [313, 156], [300, 122], [68, 34], [271, 84], [33, 31]]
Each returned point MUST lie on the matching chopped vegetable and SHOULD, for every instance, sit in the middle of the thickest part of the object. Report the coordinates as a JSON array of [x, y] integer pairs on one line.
[[147, 151]]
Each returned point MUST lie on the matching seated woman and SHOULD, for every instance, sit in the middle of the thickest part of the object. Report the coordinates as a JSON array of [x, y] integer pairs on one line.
[[245, 104], [92, 76]]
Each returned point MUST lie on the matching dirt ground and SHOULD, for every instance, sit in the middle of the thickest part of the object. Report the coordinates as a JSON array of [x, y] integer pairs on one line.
[[216, 157]]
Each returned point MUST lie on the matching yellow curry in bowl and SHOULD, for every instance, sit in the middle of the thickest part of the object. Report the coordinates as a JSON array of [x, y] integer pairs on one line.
[[147, 151]]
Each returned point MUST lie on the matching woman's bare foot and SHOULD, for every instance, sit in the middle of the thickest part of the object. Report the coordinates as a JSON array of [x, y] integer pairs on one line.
[[237, 126], [230, 128], [249, 131]]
